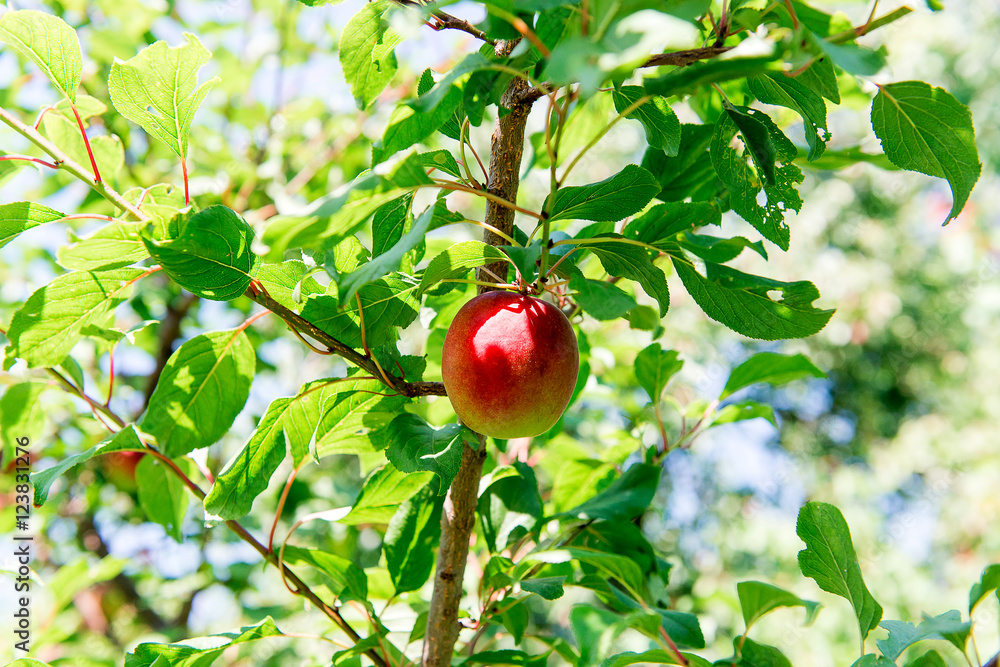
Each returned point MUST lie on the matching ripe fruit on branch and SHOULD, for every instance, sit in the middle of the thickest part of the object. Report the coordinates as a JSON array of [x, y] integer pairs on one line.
[[509, 364]]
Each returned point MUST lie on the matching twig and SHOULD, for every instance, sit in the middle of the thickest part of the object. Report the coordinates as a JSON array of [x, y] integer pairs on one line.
[[86, 142], [685, 57], [287, 574], [296, 321], [449, 22], [28, 158], [63, 161]]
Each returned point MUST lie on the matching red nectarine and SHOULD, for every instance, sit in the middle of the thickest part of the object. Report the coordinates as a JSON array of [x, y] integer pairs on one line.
[[509, 364]]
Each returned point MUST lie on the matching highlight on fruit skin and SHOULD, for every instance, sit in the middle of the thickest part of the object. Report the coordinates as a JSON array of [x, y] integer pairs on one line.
[[509, 364]]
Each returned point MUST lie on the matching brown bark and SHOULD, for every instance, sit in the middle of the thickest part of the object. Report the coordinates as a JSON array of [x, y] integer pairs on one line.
[[459, 516], [457, 521], [505, 165]]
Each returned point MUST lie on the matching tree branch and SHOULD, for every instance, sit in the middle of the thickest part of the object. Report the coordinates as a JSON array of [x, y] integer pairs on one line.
[[458, 518], [448, 22], [686, 57], [459, 515], [301, 324], [63, 161]]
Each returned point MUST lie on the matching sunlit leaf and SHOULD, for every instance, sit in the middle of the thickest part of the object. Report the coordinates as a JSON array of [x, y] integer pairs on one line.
[[829, 558], [47, 41], [158, 89], [925, 129], [202, 388], [55, 317], [211, 255]]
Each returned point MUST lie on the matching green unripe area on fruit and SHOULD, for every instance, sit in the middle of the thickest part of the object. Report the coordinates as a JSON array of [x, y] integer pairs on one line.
[[509, 364]]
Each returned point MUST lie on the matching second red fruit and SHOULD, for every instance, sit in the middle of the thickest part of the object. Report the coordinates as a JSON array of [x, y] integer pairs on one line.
[[509, 364]]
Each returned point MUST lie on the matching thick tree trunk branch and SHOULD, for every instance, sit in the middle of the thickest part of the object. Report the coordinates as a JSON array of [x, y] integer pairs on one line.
[[302, 325], [459, 516], [457, 521], [505, 167]]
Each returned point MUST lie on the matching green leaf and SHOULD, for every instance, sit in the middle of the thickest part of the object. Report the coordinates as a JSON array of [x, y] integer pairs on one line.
[[821, 77], [735, 412], [198, 652], [718, 250], [610, 200], [366, 53], [290, 282], [112, 246], [627, 497], [742, 302], [202, 388], [158, 89], [690, 174], [988, 582], [753, 654], [211, 255], [758, 599], [411, 537], [853, 58], [631, 261], [829, 558], [388, 261], [515, 619], [56, 317], [600, 299], [328, 223], [349, 415], [660, 225], [509, 504], [771, 368], [925, 129], [506, 657], [344, 578], [547, 588], [681, 626], [621, 568], [413, 445], [163, 496], [654, 656], [247, 475], [383, 493], [389, 223], [442, 160], [49, 42], [456, 261], [782, 90], [663, 130], [108, 151], [930, 659], [654, 367], [23, 215], [86, 106], [947, 626], [767, 145], [21, 416], [388, 304], [408, 126], [124, 440], [686, 79]]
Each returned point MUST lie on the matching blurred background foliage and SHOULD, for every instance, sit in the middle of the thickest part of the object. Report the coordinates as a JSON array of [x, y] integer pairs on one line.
[[902, 435]]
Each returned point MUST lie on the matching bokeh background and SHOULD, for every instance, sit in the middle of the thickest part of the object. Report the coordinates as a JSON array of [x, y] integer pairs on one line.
[[902, 435]]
